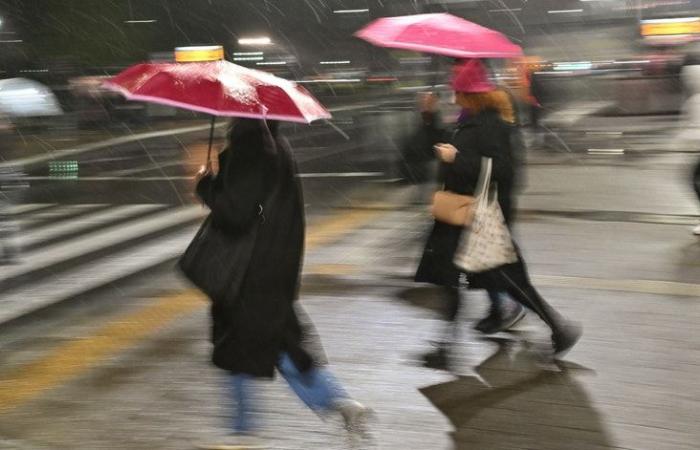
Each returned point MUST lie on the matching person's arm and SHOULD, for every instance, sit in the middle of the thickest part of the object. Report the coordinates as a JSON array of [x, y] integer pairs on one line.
[[465, 164], [432, 128]]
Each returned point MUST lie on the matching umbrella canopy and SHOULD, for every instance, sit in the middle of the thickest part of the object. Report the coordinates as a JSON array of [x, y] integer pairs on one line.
[[20, 97], [440, 33], [219, 88]]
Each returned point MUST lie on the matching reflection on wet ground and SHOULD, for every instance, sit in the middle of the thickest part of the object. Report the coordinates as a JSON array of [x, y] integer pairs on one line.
[[514, 401]]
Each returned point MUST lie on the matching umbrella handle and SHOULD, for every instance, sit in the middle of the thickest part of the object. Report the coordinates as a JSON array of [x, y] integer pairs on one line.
[[211, 140]]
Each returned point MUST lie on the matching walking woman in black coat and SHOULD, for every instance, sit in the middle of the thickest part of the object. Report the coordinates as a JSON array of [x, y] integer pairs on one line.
[[482, 131], [257, 327]]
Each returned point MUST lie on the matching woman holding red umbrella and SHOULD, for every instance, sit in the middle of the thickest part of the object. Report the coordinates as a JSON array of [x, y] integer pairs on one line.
[[257, 325], [247, 255]]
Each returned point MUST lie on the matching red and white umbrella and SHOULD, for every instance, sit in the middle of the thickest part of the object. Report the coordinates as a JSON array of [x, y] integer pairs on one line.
[[439, 33], [219, 88]]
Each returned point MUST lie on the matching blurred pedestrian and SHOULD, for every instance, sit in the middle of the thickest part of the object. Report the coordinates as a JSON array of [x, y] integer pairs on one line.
[[503, 312], [417, 155], [257, 325], [483, 130], [690, 129]]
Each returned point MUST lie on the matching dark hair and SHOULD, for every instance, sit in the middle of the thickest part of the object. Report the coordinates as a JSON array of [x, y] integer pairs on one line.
[[252, 134]]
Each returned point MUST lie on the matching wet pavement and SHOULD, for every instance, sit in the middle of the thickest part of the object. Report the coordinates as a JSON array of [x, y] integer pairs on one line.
[[607, 239], [631, 382]]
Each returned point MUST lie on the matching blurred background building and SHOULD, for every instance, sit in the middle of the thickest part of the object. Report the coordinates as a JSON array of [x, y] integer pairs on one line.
[[591, 49]]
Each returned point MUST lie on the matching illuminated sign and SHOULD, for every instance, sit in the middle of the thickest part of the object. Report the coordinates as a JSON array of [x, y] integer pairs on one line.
[[671, 27], [199, 54]]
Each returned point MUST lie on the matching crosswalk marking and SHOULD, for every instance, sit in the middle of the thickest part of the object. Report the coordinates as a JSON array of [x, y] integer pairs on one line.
[[91, 276], [16, 210], [45, 257], [101, 217], [55, 213], [73, 249]]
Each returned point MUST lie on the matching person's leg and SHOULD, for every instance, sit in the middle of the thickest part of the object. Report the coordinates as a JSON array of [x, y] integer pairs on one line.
[[317, 387], [564, 333], [504, 313], [453, 302], [241, 427], [497, 300], [519, 287], [323, 393], [438, 358], [240, 386]]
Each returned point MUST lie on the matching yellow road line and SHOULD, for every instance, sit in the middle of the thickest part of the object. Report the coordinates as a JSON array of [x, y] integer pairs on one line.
[[332, 269], [334, 227], [72, 359]]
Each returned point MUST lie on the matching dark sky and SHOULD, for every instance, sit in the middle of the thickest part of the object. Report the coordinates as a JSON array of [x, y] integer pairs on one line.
[[94, 33]]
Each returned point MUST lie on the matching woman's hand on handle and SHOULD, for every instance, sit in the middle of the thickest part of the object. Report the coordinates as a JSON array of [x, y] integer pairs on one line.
[[205, 171]]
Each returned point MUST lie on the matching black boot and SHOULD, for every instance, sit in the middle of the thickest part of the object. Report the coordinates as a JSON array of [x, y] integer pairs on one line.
[[437, 359], [500, 319], [565, 338]]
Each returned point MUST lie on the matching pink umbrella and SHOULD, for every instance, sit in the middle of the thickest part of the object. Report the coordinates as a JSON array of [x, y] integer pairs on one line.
[[219, 88], [439, 33]]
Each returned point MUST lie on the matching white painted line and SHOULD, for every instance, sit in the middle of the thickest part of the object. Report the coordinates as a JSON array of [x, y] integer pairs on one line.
[[83, 223], [565, 11], [640, 286], [607, 151], [29, 207], [33, 296], [340, 174], [56, 213], [351, 11], [45, 257]]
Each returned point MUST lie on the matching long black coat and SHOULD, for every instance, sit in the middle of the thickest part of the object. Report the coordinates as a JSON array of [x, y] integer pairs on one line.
[[257, 187], [483, 135]]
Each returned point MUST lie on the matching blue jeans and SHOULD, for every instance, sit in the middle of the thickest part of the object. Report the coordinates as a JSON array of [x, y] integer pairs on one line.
[[317, 388], [497, 300]]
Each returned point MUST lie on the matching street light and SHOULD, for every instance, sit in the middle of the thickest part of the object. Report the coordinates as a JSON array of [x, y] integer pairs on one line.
[[255, 41], [351, 11]]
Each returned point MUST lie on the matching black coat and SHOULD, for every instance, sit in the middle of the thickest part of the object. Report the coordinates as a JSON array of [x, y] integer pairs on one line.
[[257, 187], [484, 135]]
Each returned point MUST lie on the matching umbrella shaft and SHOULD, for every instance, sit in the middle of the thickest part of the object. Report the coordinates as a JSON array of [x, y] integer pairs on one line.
[[211, 140]]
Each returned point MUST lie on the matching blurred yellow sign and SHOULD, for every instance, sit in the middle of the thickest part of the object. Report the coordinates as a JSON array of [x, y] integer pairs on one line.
[[669, 27], [199, 54]]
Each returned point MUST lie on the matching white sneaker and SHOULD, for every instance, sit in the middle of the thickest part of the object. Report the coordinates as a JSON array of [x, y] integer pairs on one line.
[[355, 414], [233, 442], [696, 230]]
